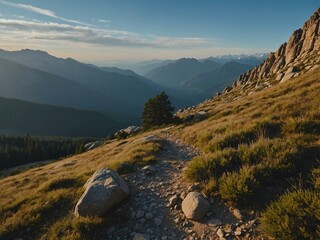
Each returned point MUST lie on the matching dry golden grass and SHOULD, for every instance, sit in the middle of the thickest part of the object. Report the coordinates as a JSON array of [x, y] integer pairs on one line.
[[40, 201]]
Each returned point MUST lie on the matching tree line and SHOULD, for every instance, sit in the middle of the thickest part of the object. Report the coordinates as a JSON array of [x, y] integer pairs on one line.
[[15, 150]]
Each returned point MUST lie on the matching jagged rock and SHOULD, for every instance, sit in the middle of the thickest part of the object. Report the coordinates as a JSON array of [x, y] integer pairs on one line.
[[195, 206], [303, 43], [287, 77], [92, 145], [279, 76], [104, 190], [128, 131]]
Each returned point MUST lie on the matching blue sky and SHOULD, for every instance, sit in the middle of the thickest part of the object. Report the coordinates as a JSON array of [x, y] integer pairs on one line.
[[103, 31]]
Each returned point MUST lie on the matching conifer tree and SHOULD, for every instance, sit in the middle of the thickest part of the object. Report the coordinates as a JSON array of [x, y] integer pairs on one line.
[[157, 111]]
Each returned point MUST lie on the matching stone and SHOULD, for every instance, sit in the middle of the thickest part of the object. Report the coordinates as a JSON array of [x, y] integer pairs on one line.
[[214, 222], [139, 236], [132, 129], [236, 212], [104, 190], [149, 169], [173, 201], [149, 216], [139, 214], [92, 145], [220, 233], [238, 231], [157, 221], [138, 226], [195, 206]]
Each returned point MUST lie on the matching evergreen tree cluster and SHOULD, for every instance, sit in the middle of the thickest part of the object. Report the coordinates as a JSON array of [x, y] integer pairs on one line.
[[15, 151], [157, 111]]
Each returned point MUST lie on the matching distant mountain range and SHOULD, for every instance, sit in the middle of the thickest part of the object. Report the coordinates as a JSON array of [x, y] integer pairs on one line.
[[201, 78], [118, 94]]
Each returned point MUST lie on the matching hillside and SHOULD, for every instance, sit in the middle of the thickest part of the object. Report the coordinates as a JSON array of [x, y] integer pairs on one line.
[[21, 82], [22, 118]]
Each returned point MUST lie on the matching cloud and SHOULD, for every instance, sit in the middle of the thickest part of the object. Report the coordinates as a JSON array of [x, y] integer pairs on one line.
[[104, 21], [52, 31], [42, 11]]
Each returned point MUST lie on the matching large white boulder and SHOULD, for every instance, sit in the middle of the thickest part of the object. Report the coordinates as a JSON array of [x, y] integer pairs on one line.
[[104, 190], [195, 206]]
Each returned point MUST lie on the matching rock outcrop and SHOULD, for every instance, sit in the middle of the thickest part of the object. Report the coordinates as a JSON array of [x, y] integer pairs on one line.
[[299, 53], [92, 145], [195, 206], [104, 190]]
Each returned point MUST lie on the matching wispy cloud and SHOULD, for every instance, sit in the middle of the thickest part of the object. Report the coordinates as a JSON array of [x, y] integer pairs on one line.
[[51, 31], [104, 21], [45, 12]]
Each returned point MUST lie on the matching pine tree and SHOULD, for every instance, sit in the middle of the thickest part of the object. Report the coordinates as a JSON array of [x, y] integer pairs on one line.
[[157, 111]]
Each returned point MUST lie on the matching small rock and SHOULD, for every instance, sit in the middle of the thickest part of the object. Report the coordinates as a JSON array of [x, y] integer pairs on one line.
[[138, 226], [214, 222], [238, 231], [236, 212], [140, 214], [157, 221], [149, 169], [173, 200], [149, 215], [220, 233], [139, 236]]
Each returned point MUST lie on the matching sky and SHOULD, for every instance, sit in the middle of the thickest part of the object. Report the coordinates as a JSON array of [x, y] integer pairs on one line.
[[105, 32]]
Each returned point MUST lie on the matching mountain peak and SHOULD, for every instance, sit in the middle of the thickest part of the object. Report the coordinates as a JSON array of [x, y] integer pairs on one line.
[[298, 55]]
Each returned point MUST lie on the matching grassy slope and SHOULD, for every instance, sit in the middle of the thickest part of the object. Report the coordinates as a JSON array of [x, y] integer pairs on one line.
[[260, 146], [277, 118], [43, 198]]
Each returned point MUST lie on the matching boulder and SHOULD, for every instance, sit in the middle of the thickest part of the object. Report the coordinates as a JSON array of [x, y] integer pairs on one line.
[[195, 206], [132, 129], [92, 145], [104, 190]]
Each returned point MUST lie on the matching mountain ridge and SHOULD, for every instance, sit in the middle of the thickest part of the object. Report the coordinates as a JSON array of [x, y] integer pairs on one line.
[[292, 58]]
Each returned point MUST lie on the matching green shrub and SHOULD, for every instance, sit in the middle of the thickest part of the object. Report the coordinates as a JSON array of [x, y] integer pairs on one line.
[[301, 125], [202, 168], [316, 178], [238, 187], [294, 216]]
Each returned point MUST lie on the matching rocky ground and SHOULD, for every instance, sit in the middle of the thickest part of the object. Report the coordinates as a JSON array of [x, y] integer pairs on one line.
[[153, 210]]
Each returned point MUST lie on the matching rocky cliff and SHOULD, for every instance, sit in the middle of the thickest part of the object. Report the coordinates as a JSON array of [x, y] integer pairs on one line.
[[300, 54]]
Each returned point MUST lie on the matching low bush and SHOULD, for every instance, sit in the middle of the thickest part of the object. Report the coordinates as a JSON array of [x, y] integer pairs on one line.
[[294, 216], [202, 168], [301, 125], [238, 187]]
